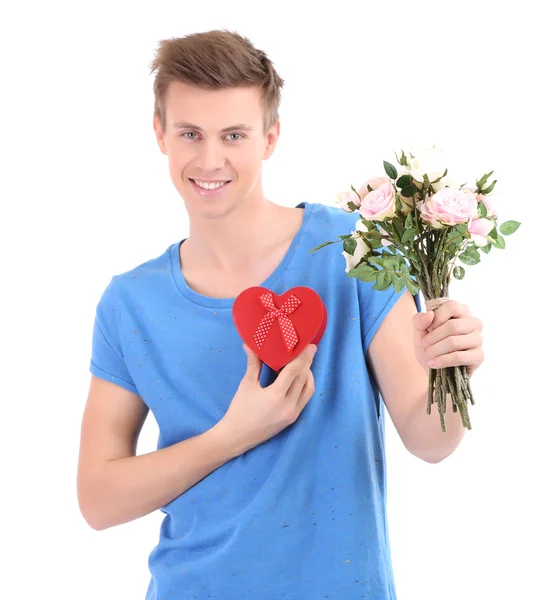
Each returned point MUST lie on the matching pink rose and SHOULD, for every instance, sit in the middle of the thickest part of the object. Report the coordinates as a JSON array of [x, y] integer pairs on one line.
[[344, 197], [374, 183], [488, 204], [479, 230], [379, 203], [449, 207]]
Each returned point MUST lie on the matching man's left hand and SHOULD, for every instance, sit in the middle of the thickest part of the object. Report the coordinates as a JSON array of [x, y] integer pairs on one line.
[[449, 336]]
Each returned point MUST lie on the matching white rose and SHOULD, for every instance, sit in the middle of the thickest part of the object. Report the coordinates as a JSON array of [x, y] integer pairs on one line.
[[360, 226], [426, 161], [361, 249], [446, 182]]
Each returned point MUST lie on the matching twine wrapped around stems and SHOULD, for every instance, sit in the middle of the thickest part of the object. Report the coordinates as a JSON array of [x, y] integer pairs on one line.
[[435, 303]]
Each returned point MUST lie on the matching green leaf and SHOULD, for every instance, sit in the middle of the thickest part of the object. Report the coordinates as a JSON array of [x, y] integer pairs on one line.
[[470, 257], [409, 220], [384, 281], [416, 263], [399, 228], [509, 227], [483, 180], [389, 264], [483, 209], [459, 272], [349, 245], [454, 236], [409, 235], [376, 243], [489, 189], [390, 169], [499, 243], [402, 261], [352, 206], [486, 249], [404, 181], [344, 237], [323, 245], [370, 225], [352, 188], [376, 260], [462, 228], [412, 287], [364, 273], [369, 188], [409, 191], [403, 160], [398, 282]]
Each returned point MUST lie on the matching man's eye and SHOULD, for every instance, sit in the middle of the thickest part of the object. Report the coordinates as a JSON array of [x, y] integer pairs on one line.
[[190, 132]]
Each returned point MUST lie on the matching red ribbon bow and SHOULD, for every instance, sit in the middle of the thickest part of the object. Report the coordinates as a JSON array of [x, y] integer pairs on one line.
[[287, 328]]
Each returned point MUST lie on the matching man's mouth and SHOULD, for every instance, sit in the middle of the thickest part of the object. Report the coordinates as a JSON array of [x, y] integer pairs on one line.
[[209, 185]]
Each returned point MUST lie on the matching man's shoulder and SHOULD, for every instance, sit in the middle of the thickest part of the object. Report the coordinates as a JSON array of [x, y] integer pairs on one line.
[[331, 218], [149, 267], [326, 224], [144, 276]]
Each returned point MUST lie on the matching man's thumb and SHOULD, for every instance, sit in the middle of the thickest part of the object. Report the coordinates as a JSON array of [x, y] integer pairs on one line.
[[254, 364], [424, 320]]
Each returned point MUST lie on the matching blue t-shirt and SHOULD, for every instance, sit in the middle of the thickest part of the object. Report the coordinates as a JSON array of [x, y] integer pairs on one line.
[[303, 515]]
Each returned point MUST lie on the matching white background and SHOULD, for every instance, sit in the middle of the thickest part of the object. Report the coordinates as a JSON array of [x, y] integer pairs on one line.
[[86, 194]]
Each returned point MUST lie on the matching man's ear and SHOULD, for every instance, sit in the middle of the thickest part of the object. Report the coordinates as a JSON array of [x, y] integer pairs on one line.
[[160, 135], [272, 140]]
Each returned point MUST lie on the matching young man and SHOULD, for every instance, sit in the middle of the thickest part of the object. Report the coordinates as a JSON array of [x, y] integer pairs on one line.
[[272, 486]]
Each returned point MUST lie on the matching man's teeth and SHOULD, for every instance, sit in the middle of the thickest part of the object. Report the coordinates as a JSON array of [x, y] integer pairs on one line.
[[210, 186]]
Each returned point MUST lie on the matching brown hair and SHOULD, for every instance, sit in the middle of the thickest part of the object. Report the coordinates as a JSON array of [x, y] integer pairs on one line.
[[212, 60]]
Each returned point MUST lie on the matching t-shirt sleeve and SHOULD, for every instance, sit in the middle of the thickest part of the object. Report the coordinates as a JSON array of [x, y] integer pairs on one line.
[[107, 359], [375, 306]]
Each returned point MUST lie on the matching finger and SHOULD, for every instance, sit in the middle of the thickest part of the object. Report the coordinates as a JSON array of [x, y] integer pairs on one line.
[[450, 344], [456, 359], [459, 326], [449, 310], [254, 365], [422, 321], [296, 387], [291, 370], [307, 392]]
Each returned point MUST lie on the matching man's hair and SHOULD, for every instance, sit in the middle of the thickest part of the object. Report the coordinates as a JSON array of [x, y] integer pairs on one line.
[[213, 60]]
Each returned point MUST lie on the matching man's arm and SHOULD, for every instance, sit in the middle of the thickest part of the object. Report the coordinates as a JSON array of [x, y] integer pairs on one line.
[[404, 385], [114, 485]]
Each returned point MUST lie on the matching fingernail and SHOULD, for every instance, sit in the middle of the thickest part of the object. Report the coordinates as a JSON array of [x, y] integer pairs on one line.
[[312, 349]]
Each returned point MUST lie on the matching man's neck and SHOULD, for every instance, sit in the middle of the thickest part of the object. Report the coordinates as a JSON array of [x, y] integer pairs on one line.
[[232, 241]]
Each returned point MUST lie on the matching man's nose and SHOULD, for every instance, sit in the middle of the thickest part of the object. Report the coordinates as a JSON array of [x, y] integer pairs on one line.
[[211, 157]]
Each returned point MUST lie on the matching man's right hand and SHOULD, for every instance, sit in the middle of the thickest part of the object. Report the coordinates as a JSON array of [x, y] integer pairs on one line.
[[256, 413]]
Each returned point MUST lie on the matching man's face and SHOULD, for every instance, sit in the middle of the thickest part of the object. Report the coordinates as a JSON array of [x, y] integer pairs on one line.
[[209, 153]]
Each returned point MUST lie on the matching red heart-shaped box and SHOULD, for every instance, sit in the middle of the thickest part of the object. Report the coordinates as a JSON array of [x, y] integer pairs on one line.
[[308, 319]]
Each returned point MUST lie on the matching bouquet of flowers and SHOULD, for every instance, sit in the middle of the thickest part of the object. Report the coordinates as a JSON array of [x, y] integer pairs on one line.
[[414, 224]]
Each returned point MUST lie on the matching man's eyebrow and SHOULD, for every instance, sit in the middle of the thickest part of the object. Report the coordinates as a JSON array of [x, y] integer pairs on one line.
[[186, 125]]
